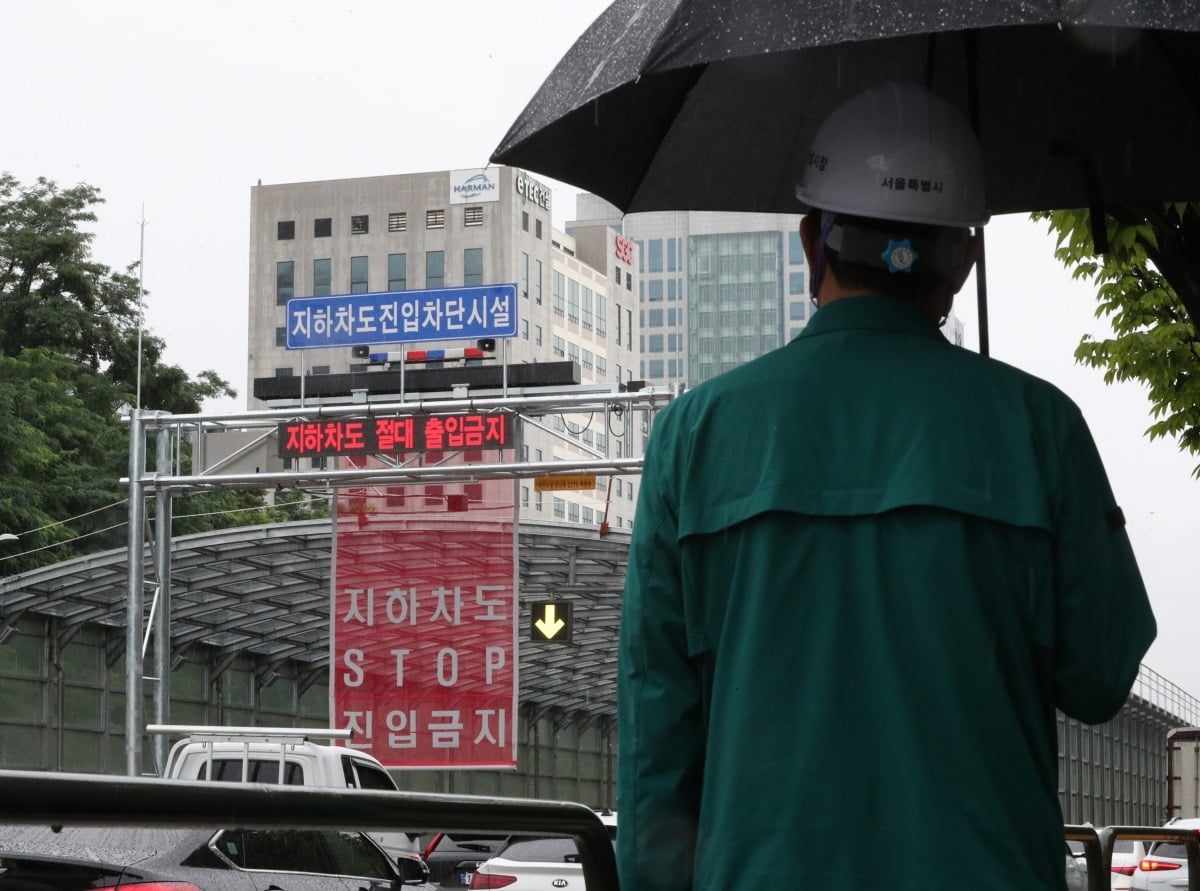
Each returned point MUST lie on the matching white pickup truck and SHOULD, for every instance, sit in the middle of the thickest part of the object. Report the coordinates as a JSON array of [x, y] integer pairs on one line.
[[272, 755]]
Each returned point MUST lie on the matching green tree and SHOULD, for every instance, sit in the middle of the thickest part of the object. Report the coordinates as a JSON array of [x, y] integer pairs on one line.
[[1148, 285], [69, 357], [54, 295], [62, 455]]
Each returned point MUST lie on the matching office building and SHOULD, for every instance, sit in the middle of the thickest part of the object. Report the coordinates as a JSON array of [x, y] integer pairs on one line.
[[450, 229], [714, 289]]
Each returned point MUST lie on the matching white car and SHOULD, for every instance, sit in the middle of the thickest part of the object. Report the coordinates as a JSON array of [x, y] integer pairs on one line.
[[1164, 868], [537, 864], [1126, 856]]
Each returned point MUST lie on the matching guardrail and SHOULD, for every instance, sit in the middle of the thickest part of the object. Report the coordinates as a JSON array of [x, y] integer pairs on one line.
[[1098, 849], [32, 797]]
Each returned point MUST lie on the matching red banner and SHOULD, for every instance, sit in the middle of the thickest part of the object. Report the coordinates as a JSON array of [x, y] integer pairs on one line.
[[423, 641]]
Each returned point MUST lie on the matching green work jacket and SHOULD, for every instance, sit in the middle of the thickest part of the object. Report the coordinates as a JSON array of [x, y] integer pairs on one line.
[[866, 569]]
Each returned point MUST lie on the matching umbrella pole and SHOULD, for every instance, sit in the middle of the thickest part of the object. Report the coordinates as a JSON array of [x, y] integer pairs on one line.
[[981, 293]]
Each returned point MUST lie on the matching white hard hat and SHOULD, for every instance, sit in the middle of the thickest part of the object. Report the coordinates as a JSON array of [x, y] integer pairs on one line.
[[897, 152]]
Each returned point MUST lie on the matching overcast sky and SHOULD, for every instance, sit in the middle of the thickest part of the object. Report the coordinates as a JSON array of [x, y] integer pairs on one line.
[[180, 108]]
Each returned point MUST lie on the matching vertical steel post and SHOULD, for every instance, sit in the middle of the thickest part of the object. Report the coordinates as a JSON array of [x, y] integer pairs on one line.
[[133, 609], [162, 618]]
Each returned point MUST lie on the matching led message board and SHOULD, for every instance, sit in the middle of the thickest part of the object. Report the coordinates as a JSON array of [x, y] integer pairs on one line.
[[392, 435]]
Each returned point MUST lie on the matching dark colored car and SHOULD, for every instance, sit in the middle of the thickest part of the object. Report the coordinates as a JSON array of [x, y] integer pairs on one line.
[[38, 858], [452, 857]]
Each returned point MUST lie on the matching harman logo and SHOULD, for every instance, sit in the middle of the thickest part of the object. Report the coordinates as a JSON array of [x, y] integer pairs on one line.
[[475, 186]]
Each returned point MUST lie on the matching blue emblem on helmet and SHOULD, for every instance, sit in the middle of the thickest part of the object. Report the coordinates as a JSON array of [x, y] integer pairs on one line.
[[899, 255]]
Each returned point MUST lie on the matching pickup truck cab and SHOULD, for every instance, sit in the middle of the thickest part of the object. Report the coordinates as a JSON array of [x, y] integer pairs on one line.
[[287, 756]]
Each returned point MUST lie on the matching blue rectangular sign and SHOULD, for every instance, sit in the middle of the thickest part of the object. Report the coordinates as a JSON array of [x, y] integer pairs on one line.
[[402, 317]]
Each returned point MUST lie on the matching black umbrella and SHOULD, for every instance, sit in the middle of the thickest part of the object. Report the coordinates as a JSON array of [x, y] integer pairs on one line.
[[712, 104]]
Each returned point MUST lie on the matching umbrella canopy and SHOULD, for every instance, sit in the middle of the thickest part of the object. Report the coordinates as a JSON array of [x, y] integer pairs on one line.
[[712, 104]]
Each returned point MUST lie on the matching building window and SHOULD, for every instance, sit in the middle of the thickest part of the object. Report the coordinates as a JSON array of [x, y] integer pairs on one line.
[[397, 272], [601, 367], [360, 224], [795, 282], [537, 335], [572, 300], [795, 248], [284, 372], [559, 347], [358, 275], [435, 269], [285, 281], [472, 266], [281, 336], [320, 369], [524, 221], [473, 216], [560, 508], [524, 329], [617, 274], [601, 322], [524, 496], [397, 221], [586, 309], [537, 281], [322, 277], [323, 227], [435, 219], [285, 230], [556, 289], [524, 274], [537, 228], [573, 512]]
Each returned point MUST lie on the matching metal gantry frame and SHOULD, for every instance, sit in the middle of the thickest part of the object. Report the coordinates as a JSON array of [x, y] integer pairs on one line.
[[171, 430]]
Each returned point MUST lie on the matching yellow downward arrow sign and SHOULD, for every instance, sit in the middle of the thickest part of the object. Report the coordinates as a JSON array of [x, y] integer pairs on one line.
[[549, 624]]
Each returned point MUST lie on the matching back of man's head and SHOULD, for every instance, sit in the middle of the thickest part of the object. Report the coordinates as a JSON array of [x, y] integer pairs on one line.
[[897, 174]]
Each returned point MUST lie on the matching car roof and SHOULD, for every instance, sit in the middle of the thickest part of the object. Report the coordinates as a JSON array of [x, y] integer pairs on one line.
[[114, 845]]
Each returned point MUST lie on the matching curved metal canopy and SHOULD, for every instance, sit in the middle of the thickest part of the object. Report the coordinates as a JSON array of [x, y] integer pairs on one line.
[[264, 591]]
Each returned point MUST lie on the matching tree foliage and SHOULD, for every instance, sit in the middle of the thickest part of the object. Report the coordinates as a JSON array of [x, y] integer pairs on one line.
[[69, 347], [1146, 283]]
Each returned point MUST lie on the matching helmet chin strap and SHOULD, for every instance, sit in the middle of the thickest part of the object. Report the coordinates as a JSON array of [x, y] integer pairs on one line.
[[828, 220]]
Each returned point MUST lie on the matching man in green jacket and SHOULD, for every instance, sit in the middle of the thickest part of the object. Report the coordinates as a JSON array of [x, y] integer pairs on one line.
[[867, 568]]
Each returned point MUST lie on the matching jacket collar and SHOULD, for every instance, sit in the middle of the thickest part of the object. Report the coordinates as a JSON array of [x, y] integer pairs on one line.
[[871, 314]]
